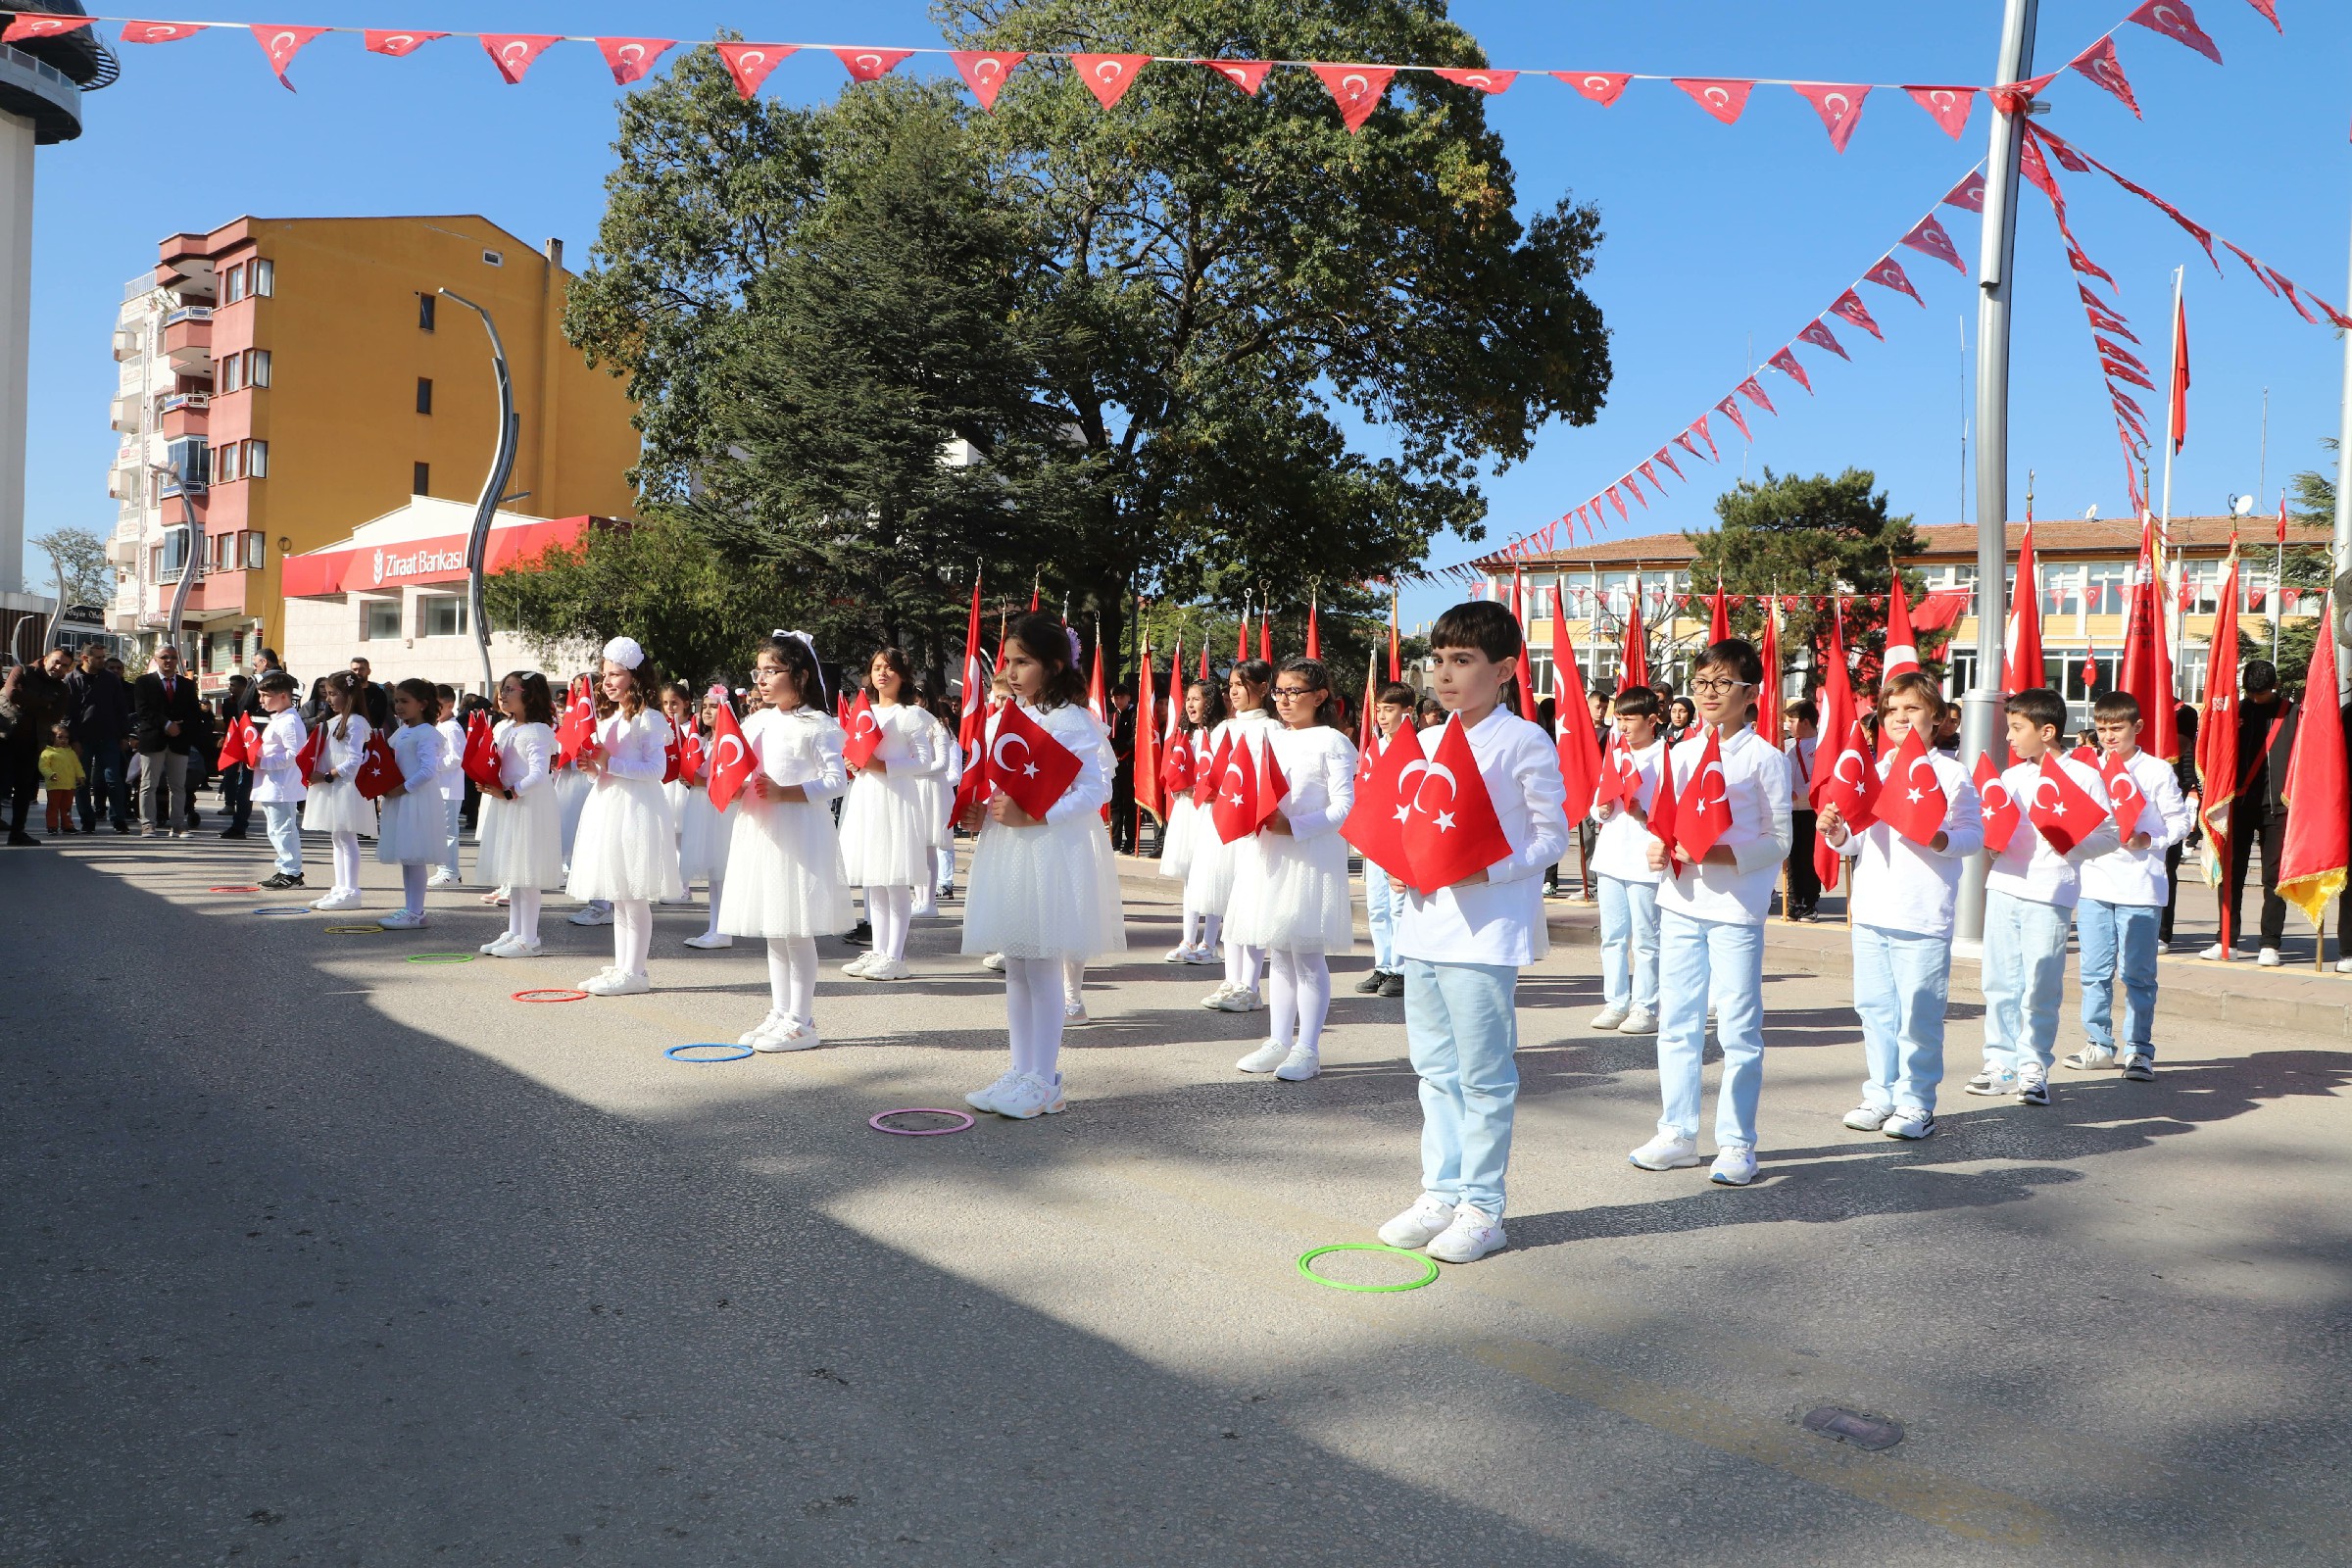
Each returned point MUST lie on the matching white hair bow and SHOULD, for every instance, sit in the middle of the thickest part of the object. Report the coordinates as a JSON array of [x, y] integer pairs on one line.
[[624, 651], [810, 643]]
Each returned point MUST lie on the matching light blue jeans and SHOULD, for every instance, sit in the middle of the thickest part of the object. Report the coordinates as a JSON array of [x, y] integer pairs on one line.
[[1628, 944], [283, 819], [1902, 982], [2024, 971], [2107, 931], [453, 817], [1699, 959], [1381, 908], [1461, 1031]]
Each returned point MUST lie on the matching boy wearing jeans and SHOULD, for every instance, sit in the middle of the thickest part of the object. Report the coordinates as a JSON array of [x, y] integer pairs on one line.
[[1392, 716], [1628, 888], [1711, 922], [2124, 893], [2028, 902], [1462, 947], [279, 786]]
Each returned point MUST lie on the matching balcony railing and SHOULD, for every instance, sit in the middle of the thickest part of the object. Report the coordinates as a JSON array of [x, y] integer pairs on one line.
[[189, 313], [174, 401]]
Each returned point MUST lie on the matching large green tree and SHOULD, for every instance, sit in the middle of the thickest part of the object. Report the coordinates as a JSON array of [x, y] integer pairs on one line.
[[80, 556]]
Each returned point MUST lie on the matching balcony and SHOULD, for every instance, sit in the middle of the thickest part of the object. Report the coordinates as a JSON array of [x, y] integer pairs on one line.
[[122, 550], [188, 340], [124, 413], [184, 414]]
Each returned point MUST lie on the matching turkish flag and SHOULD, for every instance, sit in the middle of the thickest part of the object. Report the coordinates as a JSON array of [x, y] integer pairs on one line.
[[1235, 811], [748, 64], [379, 770], [399, 45], [1176, 765], [985, 72], [160, 31], [732, 759], [1356, 89], [1995, 804], [513, 52], [1045, 767], [1247, 75], [2180, 420], [1839, 105], [1635, 660], [2123, 794], [1718, 96], [1108, 76], [1619, 778], [1272, 786], [631, 58], [1663, 806], [865, 733], [2022, 668], [1579, 744], [2058, 806], [1902, 646], [480, 756], [1602, 86], [1853, 782], [1375, 824], [281, 44], [313, 749], [1912, 801], [253, 743], [233, 744], [1451, 830], [869, 65], [577, 723], [1949, 106], [672, 753], [1204, 778], [691, 757], [2088, 755], [1704, 812]]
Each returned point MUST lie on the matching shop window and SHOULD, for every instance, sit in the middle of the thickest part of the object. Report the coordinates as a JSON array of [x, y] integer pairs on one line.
[[382, 620], [441, 616]]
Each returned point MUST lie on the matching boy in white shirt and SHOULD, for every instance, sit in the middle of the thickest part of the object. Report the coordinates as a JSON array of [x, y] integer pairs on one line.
[[1801, 723], [1711, 924], [451, 781], [1392, 716], [278, 789], [2123, 893], [2029, 903], [1463, 946], [1629, 887], [1904, 896]]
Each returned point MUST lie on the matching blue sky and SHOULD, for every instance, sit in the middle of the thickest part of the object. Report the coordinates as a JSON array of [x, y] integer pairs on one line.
[[1722, 241]]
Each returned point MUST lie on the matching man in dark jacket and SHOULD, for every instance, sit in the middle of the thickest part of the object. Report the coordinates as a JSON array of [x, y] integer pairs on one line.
[[31, 702], [2265, 739], [162, 705], [98, 708]]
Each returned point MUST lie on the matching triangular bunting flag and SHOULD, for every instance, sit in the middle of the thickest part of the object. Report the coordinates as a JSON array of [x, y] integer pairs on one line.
[[280, 44], [2177, 22], [1247, 75], [631, 58], [1721, 97], [1930, 238], [1968, 195], [1889, 274], [397, 44], [1821, 337], [1356, 89], [1839, 108], [750, 63], [160, 31], [2101, 65], [984, 72], [513, 52], [1948, 105], [1667, 458], [1486, 81], [1848, 306], [1602, 86], [1788, 365], [872, 65], [1754, 390]]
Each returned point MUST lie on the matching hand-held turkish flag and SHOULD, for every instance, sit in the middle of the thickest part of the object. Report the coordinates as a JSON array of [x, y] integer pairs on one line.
[[1375, 824], [732, 759], [1208, 770], [2217, 738], [1176, 765], [1663, 806], [2319, 819], [480, 756], [1028, 764], [253, 742], [1451, 830], [1579, 744], [1851, 783], [1618, 778], [233, 744], [2060, 809], [2122, 795], [865, 733], [379, 770], [1272, 786], [1705, 813], [691, 758], [578, 721], [674, 752], [2085, 754], [313, 749], [1993, 803], [1234, 812], [1912, 801]]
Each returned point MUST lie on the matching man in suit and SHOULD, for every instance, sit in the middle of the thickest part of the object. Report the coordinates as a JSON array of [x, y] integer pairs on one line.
[[162, 706], [1122, 788], [98, 706]]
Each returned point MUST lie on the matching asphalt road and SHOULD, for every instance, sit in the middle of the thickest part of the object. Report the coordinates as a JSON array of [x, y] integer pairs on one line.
[[310, 1255]]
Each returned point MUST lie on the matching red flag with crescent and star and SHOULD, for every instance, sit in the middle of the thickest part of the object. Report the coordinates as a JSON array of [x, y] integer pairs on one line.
[[578, 721], [1579, 744], [731, 759], [1375, 824], [673, 752], [864, 732], [233, 744], [1205, 777], [480, 758], [1993, 803], [1902, 646], [2063, 813], [1704, 812], [1027, 763], [1635, 658], [1176, 764], [1851, 783], [971, 719], [379, 770], [313, 751], [1619, 779], [691, 757], [1664, 807], [2123, 794], [1234, 812], [1451, 830], [1272, 785], [1911, 800]]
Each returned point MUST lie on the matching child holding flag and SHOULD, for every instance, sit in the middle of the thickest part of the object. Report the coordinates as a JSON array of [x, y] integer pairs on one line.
[[2123, 893], [886, 831], [412, 830], [626, 854], [1188, 833], [1619, 863], [1235, 743], [334, 805], [280, 788], [1392, 717], [520, 843], [1722, 843]]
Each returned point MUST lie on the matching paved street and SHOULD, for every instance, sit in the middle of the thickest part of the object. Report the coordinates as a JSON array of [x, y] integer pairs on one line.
[[312, 1255]]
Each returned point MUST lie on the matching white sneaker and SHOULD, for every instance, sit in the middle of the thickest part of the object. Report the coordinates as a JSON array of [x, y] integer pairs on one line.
[[2343, 966], [1997, 1083], [1199, 956], [1217, 999], [711, 940], [2268, 957], [791, 1033], [885, 969], [1266, 1057], [1639, 1022], [1030, 1096], [857, 966], [347, 900], [1867, 1118], [1073, 1013], [1299, 1066], [400, 921], [986, 1099], [925, 904], [995, 962], [599, 913], [497, 942], [1420, 1224], [750, 1037], [2090, 1058], [1910, 1122], [1179, 954], [1734, 1166], [1611, 1017], [1472, 1234], [442, 878], [619, 983], [517, 948], [1667, 1152], [600, 977], [2217, 952]]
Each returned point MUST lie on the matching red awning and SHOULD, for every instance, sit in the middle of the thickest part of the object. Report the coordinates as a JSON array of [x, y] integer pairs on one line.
[[325, 573]]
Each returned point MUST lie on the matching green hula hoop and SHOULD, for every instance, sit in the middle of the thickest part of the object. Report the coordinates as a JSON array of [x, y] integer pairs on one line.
[[439, 958], [1306, 1262]]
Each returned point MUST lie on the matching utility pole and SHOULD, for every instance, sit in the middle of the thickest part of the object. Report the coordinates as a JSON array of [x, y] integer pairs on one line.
[[1980, 714]]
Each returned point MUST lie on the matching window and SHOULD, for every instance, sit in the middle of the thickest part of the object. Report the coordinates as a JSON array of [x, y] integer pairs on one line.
[[424, 312], [232, 286], [425, 394], [423, 482], [228, 374], [382, 621], [256, 544], [171, 556], [256, 367], [440, 616], [257, 459], [189, 459], [2105, 596], [229, 463], [493, 258], [265, 278]]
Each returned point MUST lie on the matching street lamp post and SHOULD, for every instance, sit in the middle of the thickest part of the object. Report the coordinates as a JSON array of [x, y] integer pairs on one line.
[[494, 490]]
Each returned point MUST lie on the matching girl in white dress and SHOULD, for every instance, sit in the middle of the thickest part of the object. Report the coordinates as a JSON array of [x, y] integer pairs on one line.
[[627, 853], [1042, 892], [336, 806], [784, 882], [520, 843], [1203, 710], [412, 830], [938, 790], [886, 829], [1291, 896], [1210, 886], [702, 829]]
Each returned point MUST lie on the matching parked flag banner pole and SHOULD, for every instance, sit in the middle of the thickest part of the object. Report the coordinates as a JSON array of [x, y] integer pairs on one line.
[[494, 490]]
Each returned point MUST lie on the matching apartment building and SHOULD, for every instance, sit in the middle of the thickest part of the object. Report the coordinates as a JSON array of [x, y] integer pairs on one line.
[[284, 381]]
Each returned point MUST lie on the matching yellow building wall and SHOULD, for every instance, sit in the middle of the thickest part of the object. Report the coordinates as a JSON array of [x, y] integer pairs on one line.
[[341, 412]]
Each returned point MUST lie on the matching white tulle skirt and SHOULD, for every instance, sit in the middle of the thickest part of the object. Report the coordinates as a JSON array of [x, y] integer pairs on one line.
[[1292, 894], [337, 807], [626, 846], [783, 874], [703, 834], [412, 829], [886, 835], [521, 841], [1179, 838], [939, 803], [1050, 891], [572, 789], [1208, 880]]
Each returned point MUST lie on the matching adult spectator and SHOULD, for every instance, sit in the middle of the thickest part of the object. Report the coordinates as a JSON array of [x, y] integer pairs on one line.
[[204, 753], [2184, 772], [1122, 785], [162, 706], [32, 701], [98, 710], [2265, 739], [236, 779], [376, 700]]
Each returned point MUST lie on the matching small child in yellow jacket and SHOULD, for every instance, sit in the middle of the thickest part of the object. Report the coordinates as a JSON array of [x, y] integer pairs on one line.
[[61, 776]]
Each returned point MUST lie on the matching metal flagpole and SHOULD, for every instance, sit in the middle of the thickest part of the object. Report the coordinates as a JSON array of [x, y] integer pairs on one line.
[[2171, 413], [1981, 723], [2342, 545]]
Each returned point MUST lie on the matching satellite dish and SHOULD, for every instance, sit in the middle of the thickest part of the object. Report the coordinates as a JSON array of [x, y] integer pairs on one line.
[[2090, 514], [2241, 507]]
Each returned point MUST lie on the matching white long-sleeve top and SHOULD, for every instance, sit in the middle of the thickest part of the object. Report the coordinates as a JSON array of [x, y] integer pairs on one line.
[[799, 746], [633, 748], [283, 742], [453, 760], [1621, 849], [2138, 876], [527, 755], [1799, 753], [417, 748], [1755, 778], [1902, 886], [1075, 728], [1499, 922], [344, 755], [910, 740], [2029, 869], [1320, 765]]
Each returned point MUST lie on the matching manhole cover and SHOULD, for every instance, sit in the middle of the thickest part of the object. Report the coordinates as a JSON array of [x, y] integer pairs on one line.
[[1871, 1432]]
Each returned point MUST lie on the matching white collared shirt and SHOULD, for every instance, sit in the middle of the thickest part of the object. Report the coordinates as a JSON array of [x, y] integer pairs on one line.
[[2029, 869], [1902, 886], [281, 743], [1621, 849], [453, 760], [2138, 876], [1755, 778], [1499, 922], [1799, 753]]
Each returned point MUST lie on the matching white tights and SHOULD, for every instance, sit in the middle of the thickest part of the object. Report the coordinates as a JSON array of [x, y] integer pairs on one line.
[[792, 977], [1299, 996], [522, 914], [346, 863], [891, 913], [632, 934], [718, 883], [1242, 965], [1033, 1013], [412, 887], [1200, 930]]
